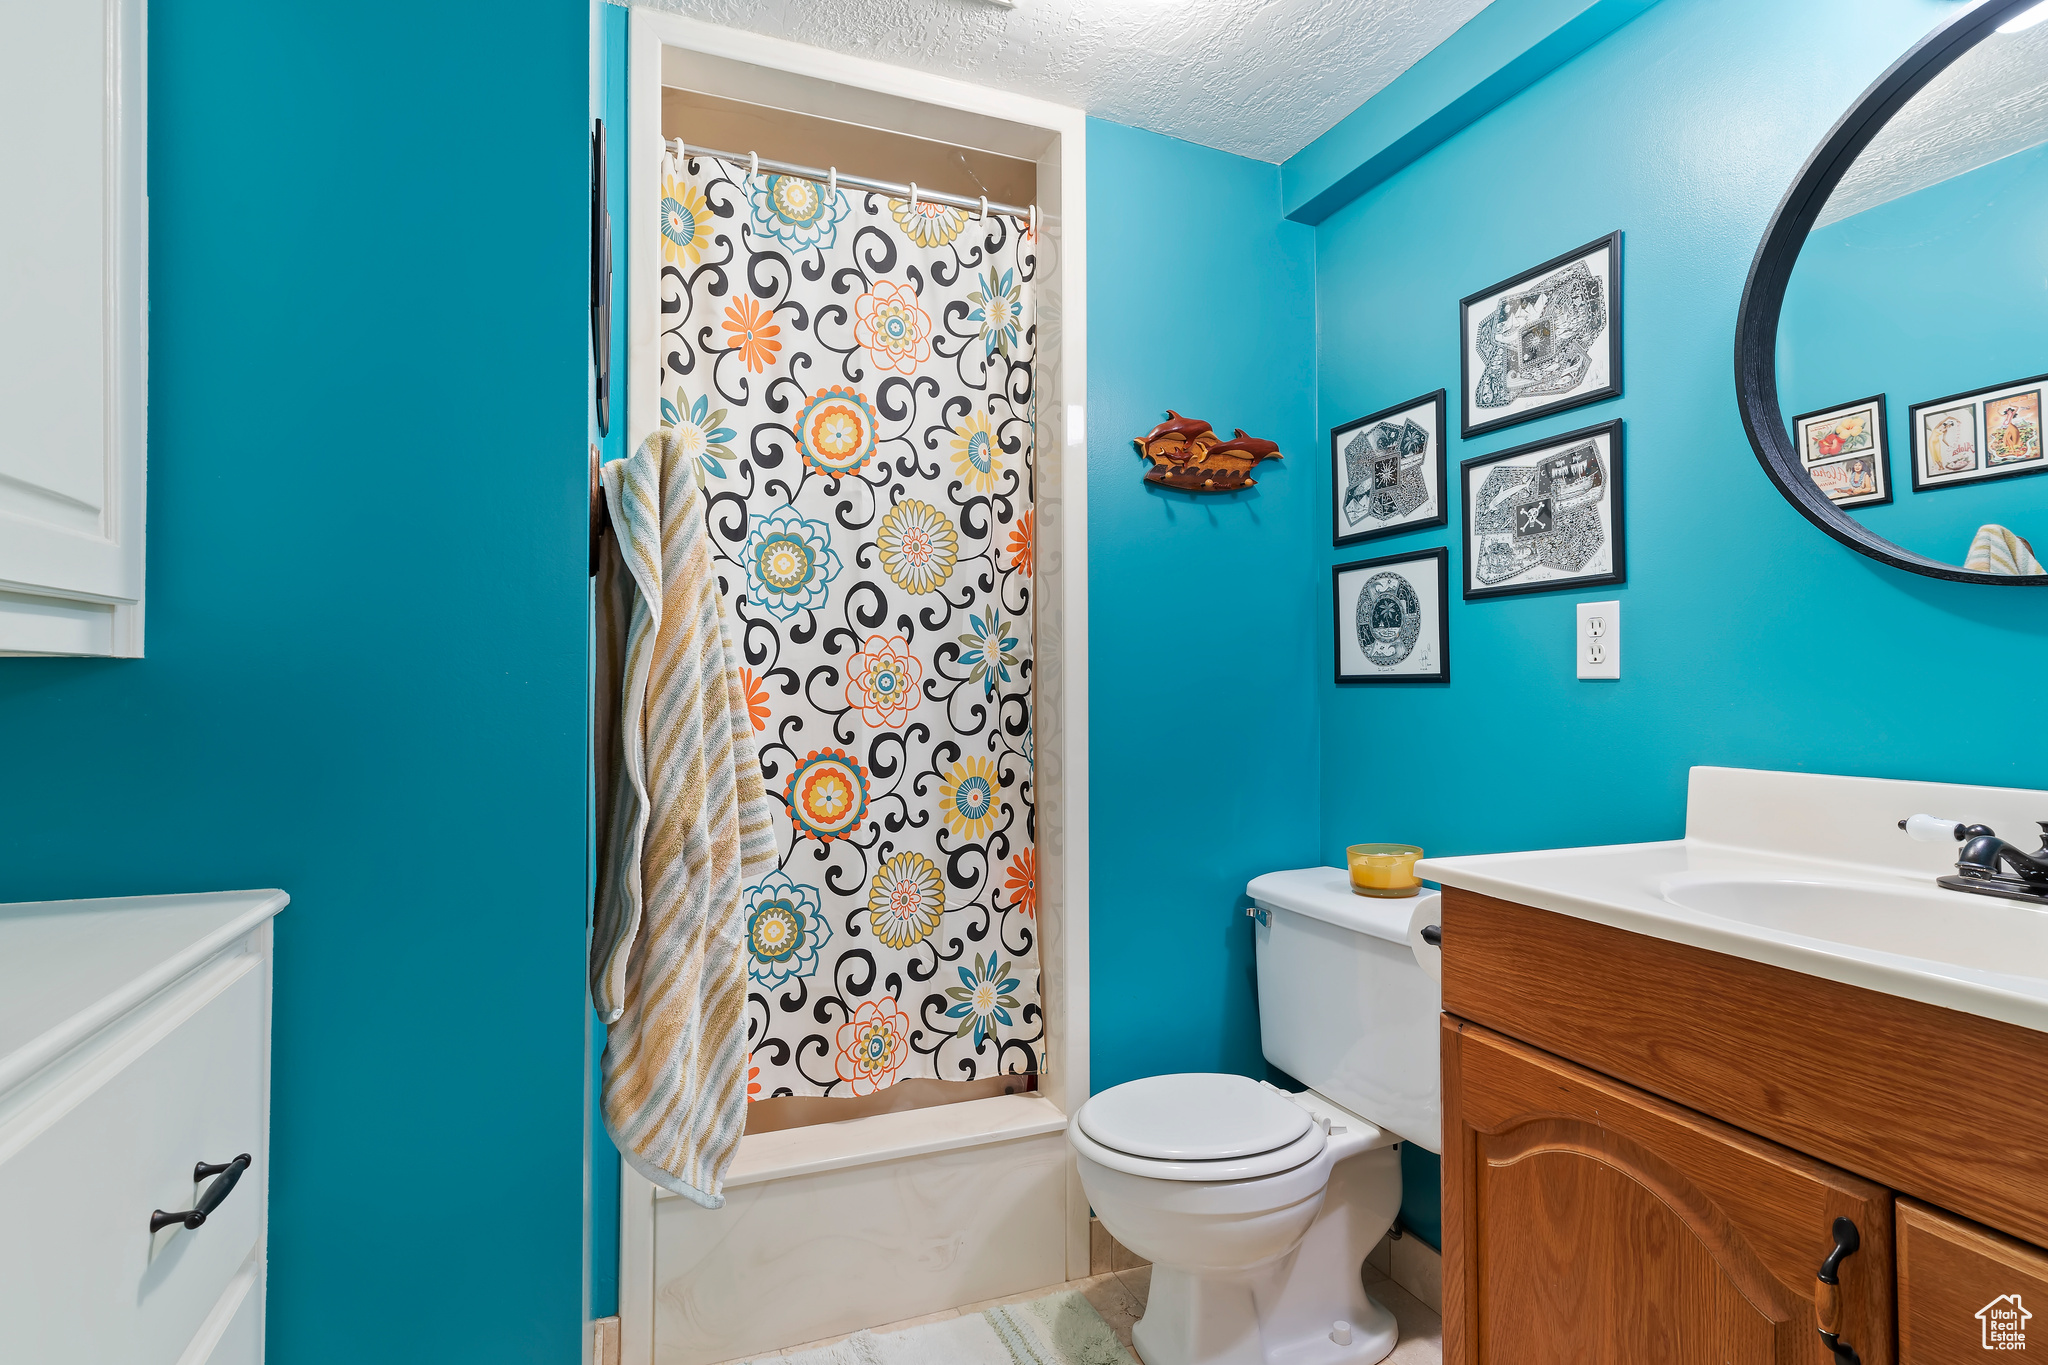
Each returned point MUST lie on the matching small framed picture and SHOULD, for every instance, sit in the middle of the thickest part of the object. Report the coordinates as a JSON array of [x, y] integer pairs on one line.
[[1387, 471], [1545, 515], [1391, 620], [1546, 340], [1992, 433], [1845, 451]]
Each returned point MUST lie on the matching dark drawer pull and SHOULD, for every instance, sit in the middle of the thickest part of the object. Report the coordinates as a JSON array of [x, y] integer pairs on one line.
[[1433, 935], [225, 1173], [1827, 1296]]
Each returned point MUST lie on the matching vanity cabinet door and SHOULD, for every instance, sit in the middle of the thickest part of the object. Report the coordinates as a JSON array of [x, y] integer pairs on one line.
[[1588, 1223], [1965, 1290]]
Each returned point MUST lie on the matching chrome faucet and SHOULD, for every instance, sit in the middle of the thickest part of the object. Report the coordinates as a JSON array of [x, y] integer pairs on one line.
[[1988, 865]]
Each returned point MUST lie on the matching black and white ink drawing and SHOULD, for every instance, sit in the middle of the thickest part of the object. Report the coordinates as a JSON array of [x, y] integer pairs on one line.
[[1546, 340], [1387, 471], [1545, 515], [1390, 618]]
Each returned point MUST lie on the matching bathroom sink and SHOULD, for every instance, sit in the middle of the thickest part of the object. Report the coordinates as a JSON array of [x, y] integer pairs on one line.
[[1931, 925], [1808, 872]]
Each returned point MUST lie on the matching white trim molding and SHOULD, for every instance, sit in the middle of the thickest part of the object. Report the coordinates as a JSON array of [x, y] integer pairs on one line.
[[665, 48]]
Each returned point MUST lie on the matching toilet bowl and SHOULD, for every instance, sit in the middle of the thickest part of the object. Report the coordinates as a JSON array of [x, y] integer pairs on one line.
[[1256, 1206], [1246, 1269]]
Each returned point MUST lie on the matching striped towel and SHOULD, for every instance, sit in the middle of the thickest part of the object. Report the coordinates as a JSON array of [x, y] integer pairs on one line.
[[1997, 550], [682, 825]]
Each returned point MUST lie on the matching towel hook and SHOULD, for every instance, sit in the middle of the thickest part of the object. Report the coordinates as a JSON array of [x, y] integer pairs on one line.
[[832, 189], [913, 196]]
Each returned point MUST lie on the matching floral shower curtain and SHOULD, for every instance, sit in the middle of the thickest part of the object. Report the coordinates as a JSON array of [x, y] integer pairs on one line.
[[854, 376]]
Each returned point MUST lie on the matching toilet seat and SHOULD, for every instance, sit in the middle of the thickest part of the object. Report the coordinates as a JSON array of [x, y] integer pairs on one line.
[[1196, 1126]]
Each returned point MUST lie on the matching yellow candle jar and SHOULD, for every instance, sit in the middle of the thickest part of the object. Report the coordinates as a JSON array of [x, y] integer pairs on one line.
[[1383, 869]]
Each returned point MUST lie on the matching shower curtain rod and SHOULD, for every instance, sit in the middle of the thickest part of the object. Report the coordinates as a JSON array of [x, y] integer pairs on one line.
[[832, 176]]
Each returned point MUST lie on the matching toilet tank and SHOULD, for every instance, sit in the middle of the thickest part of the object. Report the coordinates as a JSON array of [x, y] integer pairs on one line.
[[1349, 997]]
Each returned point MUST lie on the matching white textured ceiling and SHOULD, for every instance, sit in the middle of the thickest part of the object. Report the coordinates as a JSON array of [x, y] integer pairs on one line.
[[1989, 104], [1262, 78]]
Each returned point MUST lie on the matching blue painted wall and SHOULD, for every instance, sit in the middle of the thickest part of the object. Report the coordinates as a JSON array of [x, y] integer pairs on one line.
[[1933, 293], [365, 671], [1747, 632], [1202, 755], [1750, 638]]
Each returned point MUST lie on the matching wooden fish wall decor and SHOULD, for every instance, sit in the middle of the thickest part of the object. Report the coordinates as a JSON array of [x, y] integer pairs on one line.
[[1186, 454]]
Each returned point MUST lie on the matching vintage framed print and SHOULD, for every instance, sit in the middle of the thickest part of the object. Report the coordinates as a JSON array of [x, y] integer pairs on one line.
[[1387, 471], [1852, 481], [1392, 620], [1992, 433], [1845, 450], [1545, 515], [1546, 340]]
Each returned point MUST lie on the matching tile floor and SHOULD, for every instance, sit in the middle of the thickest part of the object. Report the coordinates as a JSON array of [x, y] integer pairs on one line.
[[1119, 1295]]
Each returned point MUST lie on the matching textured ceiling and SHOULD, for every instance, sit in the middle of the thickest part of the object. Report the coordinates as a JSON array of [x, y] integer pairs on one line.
[[1262, 78], [1990, 104]]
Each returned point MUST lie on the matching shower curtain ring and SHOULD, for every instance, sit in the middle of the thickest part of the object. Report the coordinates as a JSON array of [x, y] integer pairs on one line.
[[832, 188], [754, 165], [984, 209], [913, 196], [1034, 220]]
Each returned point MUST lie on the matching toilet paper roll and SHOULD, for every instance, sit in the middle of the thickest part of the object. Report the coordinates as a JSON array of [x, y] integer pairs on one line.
[[1428, 911]]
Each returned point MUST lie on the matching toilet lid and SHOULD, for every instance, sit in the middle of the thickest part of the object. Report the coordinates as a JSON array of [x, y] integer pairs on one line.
[[1194, 1116]]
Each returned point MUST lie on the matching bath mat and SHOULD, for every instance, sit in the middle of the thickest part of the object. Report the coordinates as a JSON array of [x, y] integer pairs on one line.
[[1059, 1329]]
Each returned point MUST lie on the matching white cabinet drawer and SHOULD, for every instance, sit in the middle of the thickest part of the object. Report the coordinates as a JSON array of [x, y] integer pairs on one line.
[[114, 1136]]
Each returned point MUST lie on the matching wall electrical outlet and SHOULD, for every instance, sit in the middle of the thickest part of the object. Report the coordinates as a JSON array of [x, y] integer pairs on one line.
[[1597, 642]]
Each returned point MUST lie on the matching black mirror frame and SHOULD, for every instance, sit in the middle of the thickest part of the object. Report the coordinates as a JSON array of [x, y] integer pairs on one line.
[[1763, 296]]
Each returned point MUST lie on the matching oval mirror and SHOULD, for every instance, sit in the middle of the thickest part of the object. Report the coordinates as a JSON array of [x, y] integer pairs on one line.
[[1891, 358]]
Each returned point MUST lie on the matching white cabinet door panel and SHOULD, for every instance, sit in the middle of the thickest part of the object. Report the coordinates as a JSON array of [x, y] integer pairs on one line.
[[73, 221]]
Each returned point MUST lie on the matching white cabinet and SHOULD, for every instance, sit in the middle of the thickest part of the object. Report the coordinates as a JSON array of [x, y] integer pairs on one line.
[[73, 322], [134, 1046]]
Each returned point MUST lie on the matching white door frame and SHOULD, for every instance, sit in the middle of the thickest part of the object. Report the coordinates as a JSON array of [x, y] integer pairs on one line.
[[814, 80]]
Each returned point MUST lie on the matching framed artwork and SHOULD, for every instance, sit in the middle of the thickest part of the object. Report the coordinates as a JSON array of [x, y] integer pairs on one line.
[[1545, 515], [1845, 450], [1391, 622], [1546, 340], [1387, 471], [1992, 433]]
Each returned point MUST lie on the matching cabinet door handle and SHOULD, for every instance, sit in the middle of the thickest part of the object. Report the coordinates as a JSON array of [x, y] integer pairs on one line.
[[1827, 1295], [225, 1175]]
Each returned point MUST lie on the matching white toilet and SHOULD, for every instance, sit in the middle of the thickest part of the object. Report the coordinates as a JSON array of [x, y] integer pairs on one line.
[[1257, 1207]]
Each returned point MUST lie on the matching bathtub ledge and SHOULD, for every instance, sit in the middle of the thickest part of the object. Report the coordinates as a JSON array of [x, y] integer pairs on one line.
[[889, 1137]]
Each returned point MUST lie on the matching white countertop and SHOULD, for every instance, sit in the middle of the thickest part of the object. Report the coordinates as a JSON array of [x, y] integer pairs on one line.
[[1877, 919], [67, 967]]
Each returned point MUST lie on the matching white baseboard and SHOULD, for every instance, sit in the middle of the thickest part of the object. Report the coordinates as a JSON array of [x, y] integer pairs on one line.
[[604, 1340], [1419, 1270]]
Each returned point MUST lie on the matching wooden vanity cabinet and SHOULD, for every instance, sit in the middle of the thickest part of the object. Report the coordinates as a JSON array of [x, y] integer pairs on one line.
[[1646, 1147], [1964, 1289], [1595, 1223]]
